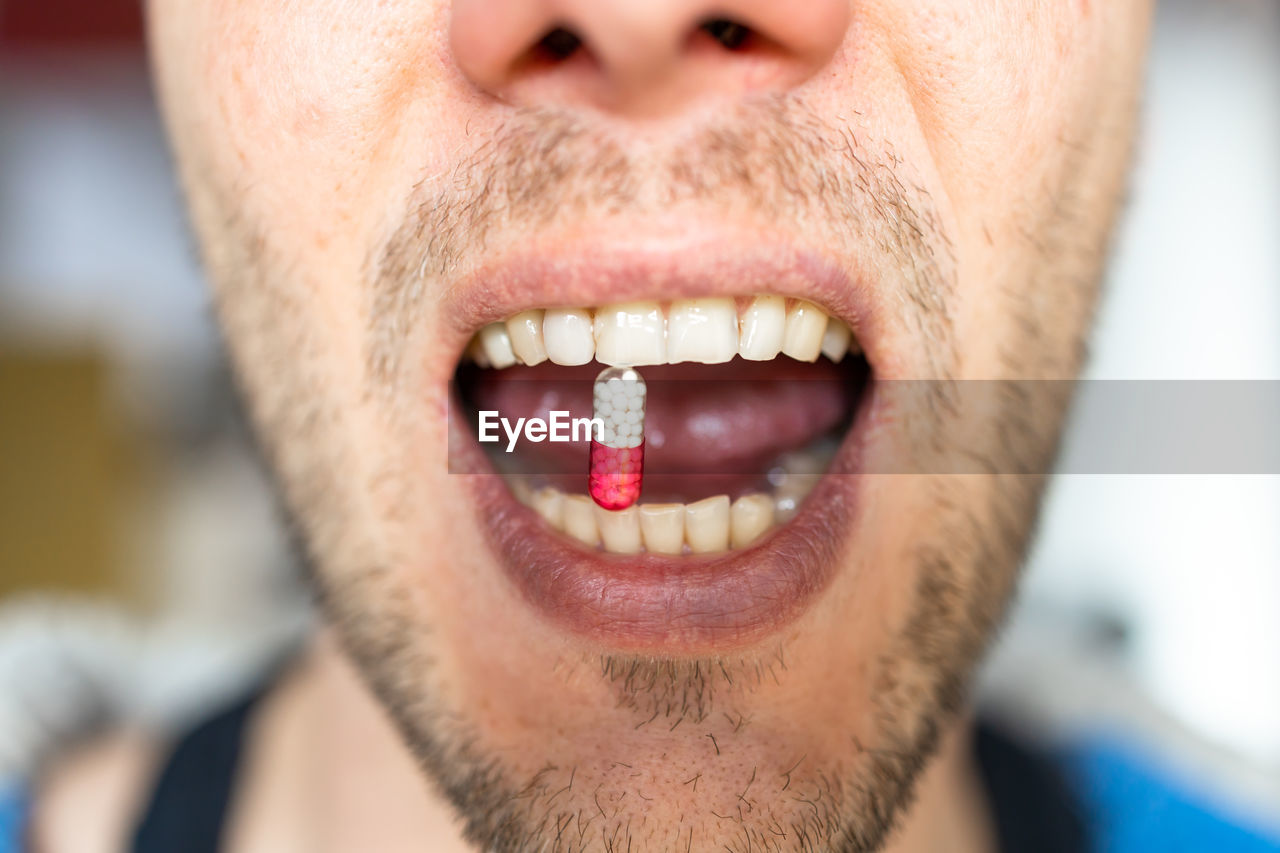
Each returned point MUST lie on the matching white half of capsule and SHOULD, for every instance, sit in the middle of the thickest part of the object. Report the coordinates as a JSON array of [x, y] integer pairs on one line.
[[618, 398]]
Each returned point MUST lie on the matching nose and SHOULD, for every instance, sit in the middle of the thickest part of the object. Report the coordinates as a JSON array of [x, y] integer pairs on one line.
[[642, 56]]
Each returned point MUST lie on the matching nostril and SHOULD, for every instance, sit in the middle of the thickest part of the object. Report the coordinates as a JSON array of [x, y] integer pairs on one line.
[[728, 33], [638, 58], [559, 44]]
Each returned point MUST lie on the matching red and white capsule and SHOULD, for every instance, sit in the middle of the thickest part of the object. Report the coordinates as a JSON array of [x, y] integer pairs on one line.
[[617, 452]]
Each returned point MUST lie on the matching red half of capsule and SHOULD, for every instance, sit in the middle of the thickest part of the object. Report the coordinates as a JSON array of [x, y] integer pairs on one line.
[[616, 474]]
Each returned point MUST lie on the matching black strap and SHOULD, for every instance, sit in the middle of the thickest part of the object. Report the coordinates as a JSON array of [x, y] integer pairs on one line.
[[1034, 808], [188, 807]]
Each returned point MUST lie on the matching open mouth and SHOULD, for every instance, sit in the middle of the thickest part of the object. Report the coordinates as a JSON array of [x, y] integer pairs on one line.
[[748, 399], [750, 404]]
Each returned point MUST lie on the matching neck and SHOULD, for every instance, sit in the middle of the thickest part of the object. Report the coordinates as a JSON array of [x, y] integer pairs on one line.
[[324, 769]]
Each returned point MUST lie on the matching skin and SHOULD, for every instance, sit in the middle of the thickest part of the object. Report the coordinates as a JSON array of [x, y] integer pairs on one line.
[[350, 167]]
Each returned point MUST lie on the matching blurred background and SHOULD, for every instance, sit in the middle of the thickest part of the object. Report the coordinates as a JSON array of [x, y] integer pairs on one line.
[[142, 569]]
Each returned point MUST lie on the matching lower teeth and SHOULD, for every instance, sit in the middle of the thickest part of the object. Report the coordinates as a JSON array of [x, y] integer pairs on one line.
[[705, 526]]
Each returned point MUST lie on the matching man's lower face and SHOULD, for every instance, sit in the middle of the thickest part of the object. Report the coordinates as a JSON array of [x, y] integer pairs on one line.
[[681, 673], [764, 651]]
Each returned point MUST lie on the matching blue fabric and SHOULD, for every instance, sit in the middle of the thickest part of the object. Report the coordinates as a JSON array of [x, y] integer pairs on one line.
[[1136, 805], [13, 816]]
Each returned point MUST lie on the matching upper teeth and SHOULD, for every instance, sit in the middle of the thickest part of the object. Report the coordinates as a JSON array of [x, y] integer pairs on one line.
[[709, 331]]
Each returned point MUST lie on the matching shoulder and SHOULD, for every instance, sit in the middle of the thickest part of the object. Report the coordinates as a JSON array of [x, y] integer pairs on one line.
[[13, 817], [86, 802], [1142, 779], [1137, 801]]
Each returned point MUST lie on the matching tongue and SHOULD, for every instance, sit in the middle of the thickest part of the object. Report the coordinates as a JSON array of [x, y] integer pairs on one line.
[[729, 420]]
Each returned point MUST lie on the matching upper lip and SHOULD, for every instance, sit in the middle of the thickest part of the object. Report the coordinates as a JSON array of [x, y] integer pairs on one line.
[[688, 604]]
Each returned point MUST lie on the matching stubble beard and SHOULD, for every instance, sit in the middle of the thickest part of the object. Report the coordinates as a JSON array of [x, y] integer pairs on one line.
[[965, 568]]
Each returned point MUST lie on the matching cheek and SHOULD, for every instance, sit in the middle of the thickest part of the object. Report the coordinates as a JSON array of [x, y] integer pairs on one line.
[[1007, 95], [304, 112], [995, 88]]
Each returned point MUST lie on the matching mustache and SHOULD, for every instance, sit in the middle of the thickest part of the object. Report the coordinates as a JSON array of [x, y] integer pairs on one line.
[[771, 159]]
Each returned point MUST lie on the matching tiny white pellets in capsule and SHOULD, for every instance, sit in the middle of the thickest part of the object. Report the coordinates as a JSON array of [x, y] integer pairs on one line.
[[617, 459]]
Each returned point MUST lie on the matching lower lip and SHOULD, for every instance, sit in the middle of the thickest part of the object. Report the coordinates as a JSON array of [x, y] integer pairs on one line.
[[674, 605]]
